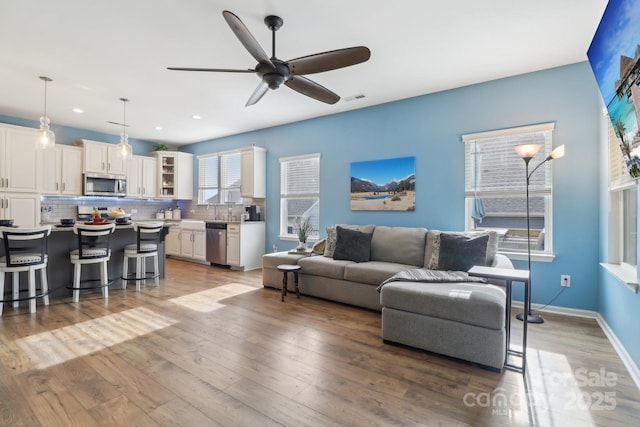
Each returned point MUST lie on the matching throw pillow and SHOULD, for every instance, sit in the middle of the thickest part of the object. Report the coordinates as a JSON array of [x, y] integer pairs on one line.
[[318, 247], [330, 245], [460, 253], [352, 245]]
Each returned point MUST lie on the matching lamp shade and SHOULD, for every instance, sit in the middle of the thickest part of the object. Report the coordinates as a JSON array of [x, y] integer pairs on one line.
[[527, 151], [557, 153]]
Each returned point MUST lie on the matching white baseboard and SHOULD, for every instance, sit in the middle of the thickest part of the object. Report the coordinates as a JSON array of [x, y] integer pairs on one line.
[[611, 336]]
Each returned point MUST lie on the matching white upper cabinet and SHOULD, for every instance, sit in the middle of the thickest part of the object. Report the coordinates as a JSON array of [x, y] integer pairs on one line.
[[174, 174], [253, 165], [18, 159], [61, 174], [141, 177], [100, 157]]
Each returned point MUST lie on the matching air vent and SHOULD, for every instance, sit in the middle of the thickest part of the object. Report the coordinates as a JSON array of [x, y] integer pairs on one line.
[[355, 97]]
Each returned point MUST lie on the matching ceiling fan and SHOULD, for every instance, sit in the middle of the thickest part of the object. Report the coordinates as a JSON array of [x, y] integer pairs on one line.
[[274, 71]]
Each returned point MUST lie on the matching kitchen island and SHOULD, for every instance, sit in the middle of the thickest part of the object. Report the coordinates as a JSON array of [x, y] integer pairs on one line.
[[60, 270]]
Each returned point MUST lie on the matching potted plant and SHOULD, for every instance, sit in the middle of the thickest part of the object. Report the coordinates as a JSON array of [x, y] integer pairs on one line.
[[304, 227]]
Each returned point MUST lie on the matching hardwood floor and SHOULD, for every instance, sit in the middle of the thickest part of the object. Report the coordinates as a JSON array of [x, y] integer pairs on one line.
[[213, 347]]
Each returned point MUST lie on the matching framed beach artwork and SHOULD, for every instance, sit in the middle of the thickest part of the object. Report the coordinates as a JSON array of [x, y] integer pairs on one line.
[[384, 185], [614, 56]]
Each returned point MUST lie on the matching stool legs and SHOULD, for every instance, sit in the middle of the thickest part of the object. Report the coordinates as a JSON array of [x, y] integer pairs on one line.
[[125, 271], [1, 291], [15, 276], [76, 282], [45, 285], [284, 285], [156, 269], [104, 279], [32, 290]]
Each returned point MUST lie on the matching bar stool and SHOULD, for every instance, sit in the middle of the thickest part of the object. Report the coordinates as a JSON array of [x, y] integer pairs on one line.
[[25, 249], [94, 247], [147, 241]]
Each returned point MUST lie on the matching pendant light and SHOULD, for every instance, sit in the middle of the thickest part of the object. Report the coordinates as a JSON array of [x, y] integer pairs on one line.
[[125, 148], [46, 137]]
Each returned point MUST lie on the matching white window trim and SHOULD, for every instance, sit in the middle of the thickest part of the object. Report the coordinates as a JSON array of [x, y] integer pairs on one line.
[[623, 272], [283, 218], [220, 187], [548, 254]]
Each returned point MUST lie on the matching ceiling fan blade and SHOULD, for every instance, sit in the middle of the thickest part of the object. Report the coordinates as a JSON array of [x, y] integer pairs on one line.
[[257, 94], [312, 89], [214, 70], [330, 60], [245, 37]]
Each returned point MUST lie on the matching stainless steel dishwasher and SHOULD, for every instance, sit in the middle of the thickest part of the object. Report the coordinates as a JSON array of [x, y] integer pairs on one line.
[[217, 242]]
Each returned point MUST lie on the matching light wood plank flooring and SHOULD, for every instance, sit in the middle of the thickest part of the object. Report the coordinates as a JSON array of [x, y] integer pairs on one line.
[[213, 347]]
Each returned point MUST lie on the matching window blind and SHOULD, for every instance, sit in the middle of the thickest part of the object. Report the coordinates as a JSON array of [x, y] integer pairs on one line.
[[207, 179], [299, 176], [492, 166]]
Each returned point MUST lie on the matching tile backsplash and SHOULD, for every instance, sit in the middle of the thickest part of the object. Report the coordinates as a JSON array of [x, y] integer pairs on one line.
[[55, 208]]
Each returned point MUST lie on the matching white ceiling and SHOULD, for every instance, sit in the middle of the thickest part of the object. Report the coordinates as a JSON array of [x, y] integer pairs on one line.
[[99, 51]]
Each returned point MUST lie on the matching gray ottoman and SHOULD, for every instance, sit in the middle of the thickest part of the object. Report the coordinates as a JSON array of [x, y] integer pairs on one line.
[[461, 320]]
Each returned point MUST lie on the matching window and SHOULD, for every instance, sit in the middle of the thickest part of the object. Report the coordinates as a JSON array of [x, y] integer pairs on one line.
[[495, 188], [208, 179], [299, 193], [219, 178], [623, 216]]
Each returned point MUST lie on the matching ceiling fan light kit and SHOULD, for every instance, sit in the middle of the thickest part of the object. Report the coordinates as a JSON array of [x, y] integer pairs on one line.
[[274, 72]]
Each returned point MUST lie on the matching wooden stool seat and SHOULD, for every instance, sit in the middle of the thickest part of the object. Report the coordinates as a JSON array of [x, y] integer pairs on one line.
[[286, 268]]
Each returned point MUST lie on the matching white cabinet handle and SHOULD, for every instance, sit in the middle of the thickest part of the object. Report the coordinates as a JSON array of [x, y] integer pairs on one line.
[[102, 165], [64, 186]]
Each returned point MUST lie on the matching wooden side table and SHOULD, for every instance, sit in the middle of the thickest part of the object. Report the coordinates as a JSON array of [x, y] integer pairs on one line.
[[286, 268], [509, 276]]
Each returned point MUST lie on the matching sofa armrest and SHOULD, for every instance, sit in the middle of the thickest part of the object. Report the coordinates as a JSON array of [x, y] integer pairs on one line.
[[502, 261]]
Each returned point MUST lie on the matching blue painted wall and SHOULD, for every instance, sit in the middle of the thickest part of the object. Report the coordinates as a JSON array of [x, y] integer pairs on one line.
[[68, 135], [430, 127]]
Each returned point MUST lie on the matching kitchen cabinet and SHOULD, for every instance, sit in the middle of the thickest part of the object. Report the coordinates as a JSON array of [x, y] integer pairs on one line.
[[187, 241], [172, 241], [253, 172], [100, 157], [193, 244], [245, 244], [174, 174], [141, 177], [61, 174], [18, 159], [22, 208]]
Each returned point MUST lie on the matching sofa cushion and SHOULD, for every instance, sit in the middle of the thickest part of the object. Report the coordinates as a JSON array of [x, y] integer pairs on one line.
[[402, 245], [330, 245], [352, 245], [273, 260], [460, 253], [323, 266], [432, 248], [373, 272], [470, 303]]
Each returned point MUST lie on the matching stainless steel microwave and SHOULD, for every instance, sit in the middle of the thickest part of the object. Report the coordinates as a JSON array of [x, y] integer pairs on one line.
[[105, 185]]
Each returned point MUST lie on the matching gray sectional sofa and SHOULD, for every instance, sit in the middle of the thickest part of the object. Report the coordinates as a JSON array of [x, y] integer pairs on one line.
[[462, 319]]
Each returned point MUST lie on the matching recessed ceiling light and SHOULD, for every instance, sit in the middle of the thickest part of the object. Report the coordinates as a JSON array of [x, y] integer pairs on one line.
[[78, 110], [158, 127], [196, 117]]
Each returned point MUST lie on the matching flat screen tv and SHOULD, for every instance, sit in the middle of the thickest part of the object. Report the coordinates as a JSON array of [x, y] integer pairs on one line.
[[614, 55]]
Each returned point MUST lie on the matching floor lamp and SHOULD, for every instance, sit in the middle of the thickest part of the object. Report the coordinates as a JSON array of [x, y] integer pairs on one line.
[[527, 151]]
